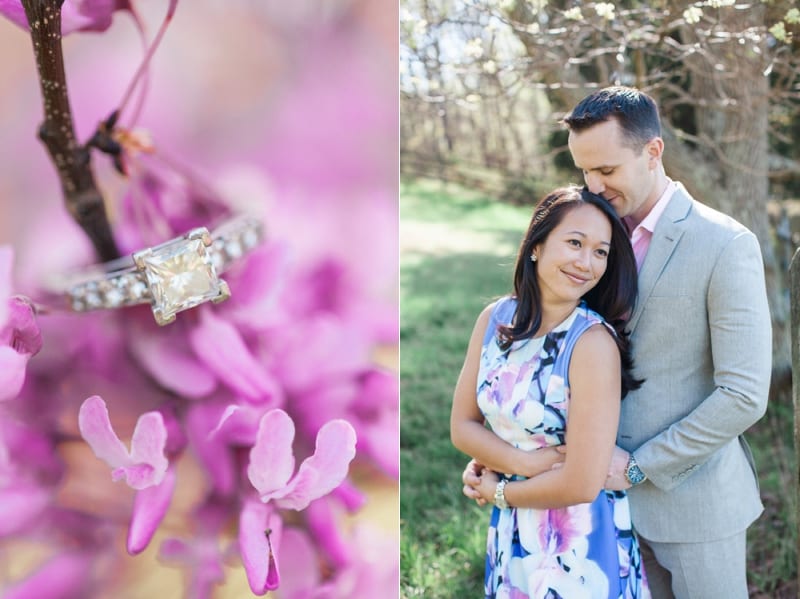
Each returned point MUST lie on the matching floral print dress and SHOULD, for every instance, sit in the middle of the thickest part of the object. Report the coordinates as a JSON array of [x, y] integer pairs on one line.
[[585, 551]]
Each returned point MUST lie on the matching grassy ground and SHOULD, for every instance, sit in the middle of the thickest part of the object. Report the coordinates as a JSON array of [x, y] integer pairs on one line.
[[457, 253]]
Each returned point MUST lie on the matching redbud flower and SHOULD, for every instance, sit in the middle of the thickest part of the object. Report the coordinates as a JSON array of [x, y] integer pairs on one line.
[[76, 15], [20, 337], [145, 465]]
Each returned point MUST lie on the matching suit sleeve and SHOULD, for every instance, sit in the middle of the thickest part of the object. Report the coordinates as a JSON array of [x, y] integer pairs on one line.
[[740, 331]]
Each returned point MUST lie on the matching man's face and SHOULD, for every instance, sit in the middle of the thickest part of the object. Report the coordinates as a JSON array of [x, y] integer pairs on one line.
[[624, 177]]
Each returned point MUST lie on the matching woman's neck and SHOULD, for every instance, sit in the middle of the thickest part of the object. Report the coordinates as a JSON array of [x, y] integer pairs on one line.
[[552, 316]]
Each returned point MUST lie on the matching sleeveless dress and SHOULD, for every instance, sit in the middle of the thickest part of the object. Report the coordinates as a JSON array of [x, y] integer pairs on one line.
[[586, 551]]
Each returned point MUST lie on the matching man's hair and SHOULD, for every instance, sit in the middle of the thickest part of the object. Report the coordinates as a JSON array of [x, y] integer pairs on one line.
[[634, 110]]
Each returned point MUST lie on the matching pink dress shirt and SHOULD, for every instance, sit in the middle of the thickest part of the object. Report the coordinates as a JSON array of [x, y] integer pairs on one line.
[[643, 233]]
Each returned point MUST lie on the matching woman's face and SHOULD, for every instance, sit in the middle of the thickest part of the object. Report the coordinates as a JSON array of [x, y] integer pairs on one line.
[[574, 257]]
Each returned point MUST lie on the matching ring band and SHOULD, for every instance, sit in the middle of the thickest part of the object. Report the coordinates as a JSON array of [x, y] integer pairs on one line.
[[174, 276]]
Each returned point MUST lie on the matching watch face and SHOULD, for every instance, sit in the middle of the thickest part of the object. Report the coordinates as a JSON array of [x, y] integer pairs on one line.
[[635, 475]]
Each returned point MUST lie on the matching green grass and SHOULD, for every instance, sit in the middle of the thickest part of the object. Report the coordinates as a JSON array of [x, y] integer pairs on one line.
[[458, 248]]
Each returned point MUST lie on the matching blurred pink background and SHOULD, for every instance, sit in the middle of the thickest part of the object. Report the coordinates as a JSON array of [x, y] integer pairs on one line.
[[287, 109]]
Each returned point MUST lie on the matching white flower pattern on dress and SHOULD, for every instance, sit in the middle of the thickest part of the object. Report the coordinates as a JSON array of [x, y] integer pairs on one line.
[[586, 551]]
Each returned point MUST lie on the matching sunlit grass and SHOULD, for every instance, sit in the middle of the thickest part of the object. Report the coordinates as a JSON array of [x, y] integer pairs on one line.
[[457, 253]]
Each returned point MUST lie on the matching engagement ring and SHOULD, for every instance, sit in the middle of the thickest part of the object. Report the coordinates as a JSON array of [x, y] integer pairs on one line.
[[174, 276]]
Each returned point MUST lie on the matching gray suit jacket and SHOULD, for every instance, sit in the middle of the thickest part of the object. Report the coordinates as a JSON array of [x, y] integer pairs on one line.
[[702, 338]]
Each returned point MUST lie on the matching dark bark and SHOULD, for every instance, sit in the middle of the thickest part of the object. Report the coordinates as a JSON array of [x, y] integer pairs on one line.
[[731, 120], [71, 160]]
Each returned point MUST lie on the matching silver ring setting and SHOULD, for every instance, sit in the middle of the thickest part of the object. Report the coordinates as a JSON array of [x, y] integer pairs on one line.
[[172, 277]]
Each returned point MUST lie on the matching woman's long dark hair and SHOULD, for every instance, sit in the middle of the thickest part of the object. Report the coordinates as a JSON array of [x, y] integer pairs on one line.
[[614, 296]]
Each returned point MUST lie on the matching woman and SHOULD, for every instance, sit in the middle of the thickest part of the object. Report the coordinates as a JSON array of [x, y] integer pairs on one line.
[[546, 367]]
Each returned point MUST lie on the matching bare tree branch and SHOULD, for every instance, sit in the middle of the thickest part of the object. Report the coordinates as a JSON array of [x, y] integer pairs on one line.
[[72, 161]]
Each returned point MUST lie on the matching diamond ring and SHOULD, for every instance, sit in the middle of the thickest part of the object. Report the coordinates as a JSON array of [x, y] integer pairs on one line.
[[174, 276]]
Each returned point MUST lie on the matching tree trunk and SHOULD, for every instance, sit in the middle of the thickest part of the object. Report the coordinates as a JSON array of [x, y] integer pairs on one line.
[[794, 279], [731, 94]]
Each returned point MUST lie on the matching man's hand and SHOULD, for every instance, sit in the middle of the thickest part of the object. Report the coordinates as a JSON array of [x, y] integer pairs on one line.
[[471, 477], [616, 479]]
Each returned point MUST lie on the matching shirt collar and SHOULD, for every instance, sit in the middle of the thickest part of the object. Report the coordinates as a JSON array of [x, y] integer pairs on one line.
[[649, 221]]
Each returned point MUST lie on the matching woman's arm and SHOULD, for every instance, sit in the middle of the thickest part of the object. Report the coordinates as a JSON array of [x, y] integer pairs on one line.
[[592, 421], [467, 430]]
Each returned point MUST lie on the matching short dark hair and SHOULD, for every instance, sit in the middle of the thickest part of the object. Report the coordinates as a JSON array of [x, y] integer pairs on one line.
[[634, 110], [613, 297]]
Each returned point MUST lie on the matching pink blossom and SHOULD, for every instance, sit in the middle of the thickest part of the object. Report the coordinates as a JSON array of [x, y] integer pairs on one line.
[[374, 566], [20, 337], [272, 461], [76, 15], [201, 555], [165, 356], [145, 465], [6, 262], [203, 560], [21, 502], [284, 368], [62, 577], [221, 348], [259, 536], [149, 508], [299, 581]]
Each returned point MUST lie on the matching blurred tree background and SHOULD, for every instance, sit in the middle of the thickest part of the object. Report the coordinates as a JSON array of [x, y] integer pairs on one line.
[[484, 84]]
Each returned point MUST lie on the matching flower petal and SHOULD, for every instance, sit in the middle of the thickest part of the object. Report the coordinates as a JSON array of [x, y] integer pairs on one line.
[[148, 442], [322, 517], [221, 348], [215, 456], [149, 508], [95, 428], [12, 372], [272, 458], [6, 262], [20, 504], [165, 356], [63, 576], [76, 15], [297, 552], [326, 469], [237, 425], [259, 538], [13, 11]]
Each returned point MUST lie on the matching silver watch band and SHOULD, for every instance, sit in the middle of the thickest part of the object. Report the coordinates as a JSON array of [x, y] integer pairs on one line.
[[500, 495]]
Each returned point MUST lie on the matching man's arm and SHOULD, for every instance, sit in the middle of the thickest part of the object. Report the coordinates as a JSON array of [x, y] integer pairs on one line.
[[741, 344]]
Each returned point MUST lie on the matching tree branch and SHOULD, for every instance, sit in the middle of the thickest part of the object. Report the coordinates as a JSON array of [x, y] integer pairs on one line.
[[72, 161]]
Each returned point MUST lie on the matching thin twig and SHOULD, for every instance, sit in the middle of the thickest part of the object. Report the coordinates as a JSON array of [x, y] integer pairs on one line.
[[72, 161]]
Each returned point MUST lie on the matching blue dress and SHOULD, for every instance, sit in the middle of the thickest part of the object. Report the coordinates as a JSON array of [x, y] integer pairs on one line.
[[585, 551]]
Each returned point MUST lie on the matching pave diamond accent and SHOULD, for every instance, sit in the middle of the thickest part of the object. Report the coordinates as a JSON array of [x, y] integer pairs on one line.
[[174, 276], [114, 292]]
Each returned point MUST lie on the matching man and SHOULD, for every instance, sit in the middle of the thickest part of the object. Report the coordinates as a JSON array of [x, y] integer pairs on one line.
[[701, 338]]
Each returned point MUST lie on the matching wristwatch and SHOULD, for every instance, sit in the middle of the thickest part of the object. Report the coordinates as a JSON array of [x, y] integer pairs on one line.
[[500, 495], [633, 473]]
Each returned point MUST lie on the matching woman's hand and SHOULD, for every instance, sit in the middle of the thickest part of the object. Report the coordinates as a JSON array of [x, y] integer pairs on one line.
[[488, 485], [471, 477], [479, 482]]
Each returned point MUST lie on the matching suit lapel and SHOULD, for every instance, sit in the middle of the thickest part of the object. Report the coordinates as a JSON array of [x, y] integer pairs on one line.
[[667, 234]]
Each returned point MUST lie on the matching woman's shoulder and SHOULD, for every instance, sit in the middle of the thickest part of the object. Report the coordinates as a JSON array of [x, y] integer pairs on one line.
[[588, 317], [595, 342], [588, 320], [500, 311]]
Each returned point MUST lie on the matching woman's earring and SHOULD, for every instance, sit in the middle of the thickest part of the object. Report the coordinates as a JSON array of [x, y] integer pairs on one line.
[[533, 257]]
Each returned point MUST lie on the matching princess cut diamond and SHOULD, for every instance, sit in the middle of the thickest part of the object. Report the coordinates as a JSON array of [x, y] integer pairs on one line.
[[180, 275]]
